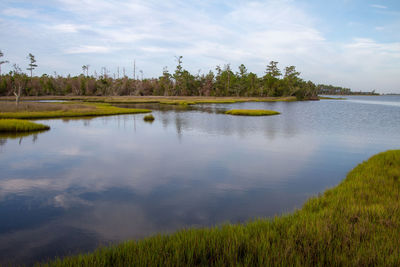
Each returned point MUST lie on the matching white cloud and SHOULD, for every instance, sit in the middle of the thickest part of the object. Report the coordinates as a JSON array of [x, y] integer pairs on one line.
[[378, 6], [206, 34], [369, 46], [84, 49], [68, 28], [18, 12]]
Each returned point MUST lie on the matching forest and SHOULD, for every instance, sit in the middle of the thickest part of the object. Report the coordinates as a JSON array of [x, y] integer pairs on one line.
[[224, 81], [337, 90]]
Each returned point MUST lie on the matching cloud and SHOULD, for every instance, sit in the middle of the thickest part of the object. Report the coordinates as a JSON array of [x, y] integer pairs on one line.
[[378, 6], [18, 12], [85, 49], [205, 33], [68, 28], [370, 46]]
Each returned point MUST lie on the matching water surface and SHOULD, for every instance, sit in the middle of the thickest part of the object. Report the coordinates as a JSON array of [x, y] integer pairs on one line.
[[89, 182]]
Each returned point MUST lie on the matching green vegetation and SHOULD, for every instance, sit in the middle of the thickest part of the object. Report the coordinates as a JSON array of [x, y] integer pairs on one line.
[[355, 224], [186, 100], [324, 89], [11, 125], [331, 98], [149, 117], [167, 100], [59, 110], [222, 82], [252, 112]]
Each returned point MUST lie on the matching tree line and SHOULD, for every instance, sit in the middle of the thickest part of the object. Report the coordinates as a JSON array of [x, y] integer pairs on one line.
[[324, 89], [222, 82]]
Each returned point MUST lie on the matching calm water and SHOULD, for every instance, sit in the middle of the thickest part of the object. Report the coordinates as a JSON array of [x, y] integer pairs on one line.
[[97, 181]]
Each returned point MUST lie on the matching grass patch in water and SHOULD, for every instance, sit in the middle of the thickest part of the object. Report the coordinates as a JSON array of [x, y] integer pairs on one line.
[[251, 112], [59, 110], [356, 223], [331, 98], [149, 118], [15, 126]]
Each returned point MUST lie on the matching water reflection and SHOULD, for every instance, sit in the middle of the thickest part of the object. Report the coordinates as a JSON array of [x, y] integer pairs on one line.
[[94, 181], [20, 136]]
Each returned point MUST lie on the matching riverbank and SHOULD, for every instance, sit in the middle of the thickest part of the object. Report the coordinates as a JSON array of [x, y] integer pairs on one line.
[[34, 110], [356, 223]]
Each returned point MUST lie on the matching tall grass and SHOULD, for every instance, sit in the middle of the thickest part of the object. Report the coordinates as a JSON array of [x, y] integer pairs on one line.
[[331, 98], [15, 126], [252, 112], [46, 110], [173, 100], [355, 224]]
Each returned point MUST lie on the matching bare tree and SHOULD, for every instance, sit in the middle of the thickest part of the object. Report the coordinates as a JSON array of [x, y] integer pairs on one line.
[[104, 72], [134, 75], [32, 64], [134, 69], [2, 61], [19, 82]]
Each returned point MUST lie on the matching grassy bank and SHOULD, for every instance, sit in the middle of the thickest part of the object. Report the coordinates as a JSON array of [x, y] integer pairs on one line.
[[355, 224], [26, 110], [252, 112], [168, 100], [15, 126], [331, 98], [193, 100]]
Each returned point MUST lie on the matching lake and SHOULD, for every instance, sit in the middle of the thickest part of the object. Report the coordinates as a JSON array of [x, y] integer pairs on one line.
[[92, 182]]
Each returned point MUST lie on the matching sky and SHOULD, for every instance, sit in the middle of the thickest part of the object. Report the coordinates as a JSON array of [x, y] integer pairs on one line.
[[349, 43]]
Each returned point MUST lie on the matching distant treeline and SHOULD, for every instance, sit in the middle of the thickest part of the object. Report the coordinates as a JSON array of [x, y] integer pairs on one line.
[[223, 82], [324, 89]]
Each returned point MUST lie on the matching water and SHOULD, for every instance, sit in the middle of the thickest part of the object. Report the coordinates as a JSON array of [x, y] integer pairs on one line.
[[91, 182]]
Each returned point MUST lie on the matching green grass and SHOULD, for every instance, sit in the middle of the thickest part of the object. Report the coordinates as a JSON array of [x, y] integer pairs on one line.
[[252, 112], [177, 102], [182, 100], [331, 98], [15, 126], [218, 101], [149, 117], [69, 110], [167, 100], [355, 224]]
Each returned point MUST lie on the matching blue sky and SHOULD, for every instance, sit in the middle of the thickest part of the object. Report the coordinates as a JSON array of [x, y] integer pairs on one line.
[[349, 43]]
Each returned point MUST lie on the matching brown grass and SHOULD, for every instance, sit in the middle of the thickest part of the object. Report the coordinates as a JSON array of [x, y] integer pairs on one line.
[[35, 107]]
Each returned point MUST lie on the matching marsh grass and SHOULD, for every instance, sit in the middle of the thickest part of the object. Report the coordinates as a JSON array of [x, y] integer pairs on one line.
[[15, 126], [149, 118], [355, 224], [171, 100], [251, 112], [39, 107], [331, 98], [59, 110]]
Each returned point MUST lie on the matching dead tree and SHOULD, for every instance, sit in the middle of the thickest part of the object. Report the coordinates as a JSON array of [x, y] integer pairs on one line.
[[19, 82]]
